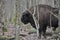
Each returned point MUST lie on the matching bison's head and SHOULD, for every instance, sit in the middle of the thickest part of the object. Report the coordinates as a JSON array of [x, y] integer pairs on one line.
[[27, 18]]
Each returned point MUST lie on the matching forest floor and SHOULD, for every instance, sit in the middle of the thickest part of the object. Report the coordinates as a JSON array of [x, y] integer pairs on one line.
[[33, 36]]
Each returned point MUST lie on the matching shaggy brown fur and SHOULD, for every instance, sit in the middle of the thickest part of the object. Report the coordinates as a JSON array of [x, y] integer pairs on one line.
[[44, 17]]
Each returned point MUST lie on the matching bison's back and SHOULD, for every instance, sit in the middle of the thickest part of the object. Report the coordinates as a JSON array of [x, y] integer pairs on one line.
[[31, 9]]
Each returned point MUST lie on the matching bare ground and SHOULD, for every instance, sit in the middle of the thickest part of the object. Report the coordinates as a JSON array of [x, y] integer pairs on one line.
[[33, 36]]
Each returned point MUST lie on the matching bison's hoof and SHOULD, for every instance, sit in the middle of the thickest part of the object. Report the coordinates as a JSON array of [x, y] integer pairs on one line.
[[39, 37]]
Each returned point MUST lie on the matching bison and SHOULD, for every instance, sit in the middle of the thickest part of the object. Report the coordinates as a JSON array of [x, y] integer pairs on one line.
[[44, 17]]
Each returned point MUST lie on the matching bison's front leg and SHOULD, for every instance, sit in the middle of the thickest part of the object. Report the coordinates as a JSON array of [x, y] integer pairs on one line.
[[42, 31]]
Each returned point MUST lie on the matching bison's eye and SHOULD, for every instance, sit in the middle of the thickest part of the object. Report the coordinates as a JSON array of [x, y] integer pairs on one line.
[[25, 17]]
